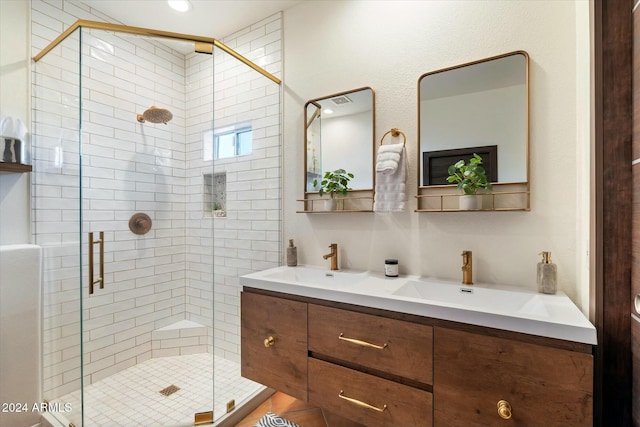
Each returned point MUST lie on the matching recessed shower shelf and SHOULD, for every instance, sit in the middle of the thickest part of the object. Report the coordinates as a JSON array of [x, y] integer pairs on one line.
[[15, 167]]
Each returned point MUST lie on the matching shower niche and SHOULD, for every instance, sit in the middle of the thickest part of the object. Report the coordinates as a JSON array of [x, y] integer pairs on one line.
[[166, 313], [215, 194]]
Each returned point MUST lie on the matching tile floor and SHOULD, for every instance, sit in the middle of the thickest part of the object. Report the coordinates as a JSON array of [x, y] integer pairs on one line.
[[301, 413], [132, 397]]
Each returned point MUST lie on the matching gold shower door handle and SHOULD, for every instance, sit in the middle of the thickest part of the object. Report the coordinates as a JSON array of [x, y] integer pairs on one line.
[[99, 280]]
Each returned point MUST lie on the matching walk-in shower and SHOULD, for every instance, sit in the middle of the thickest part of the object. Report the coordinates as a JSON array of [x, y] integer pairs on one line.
[[140, 296]]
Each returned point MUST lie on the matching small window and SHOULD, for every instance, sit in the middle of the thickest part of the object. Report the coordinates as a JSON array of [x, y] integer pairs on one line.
[[228, 142]]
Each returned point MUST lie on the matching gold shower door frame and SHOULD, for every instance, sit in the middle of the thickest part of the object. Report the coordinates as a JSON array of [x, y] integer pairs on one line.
[[199, 41]]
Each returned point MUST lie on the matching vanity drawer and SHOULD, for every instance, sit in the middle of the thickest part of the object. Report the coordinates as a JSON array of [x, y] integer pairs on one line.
[[280, 363], [356, 395], [542, 385], [399, 347]]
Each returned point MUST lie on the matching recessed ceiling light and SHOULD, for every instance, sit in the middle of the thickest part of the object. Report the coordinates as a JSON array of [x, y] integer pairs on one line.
[[327, 111], [179, 5]]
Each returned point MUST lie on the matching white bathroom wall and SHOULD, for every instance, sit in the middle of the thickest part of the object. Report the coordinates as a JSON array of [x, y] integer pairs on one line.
[[14, 102], [387, 45], [19, 263], [585, 133]]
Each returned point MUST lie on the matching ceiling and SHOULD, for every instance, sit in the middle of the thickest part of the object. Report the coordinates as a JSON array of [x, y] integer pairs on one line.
[[207, 18]]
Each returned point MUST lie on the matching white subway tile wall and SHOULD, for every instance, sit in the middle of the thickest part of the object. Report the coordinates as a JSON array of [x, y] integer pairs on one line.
[[166, 275]]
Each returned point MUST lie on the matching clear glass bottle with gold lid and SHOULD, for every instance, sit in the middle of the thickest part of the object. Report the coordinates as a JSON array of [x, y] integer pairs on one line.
[[547, 277]]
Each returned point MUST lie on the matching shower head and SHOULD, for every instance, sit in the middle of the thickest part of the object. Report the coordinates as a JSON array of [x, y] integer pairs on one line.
[[155, 115]]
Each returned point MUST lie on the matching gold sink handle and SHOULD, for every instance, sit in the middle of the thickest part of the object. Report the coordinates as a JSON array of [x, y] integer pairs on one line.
[[270, 341], [360, 403], [362, 343], [504, 409]]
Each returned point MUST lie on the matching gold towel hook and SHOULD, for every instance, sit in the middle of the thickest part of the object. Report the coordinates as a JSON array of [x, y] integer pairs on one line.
[[395, 132]]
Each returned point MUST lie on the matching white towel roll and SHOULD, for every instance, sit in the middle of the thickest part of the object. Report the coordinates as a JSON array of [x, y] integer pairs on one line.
[[388, 158], [390, 188]]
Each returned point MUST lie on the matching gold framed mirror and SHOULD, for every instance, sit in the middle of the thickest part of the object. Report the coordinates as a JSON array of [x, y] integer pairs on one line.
[[339, 134], [479, 107]]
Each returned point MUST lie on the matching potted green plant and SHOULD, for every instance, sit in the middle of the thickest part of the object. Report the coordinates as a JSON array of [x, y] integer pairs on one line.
[[470, 178], [333, 183]]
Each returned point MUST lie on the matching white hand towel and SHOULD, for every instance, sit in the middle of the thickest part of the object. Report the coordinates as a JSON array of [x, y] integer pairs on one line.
[[388, 158], [12, 127], [390, 188]]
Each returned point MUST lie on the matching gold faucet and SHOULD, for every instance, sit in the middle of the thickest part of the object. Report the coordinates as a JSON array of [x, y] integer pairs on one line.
[[467, 268], [333, 255]]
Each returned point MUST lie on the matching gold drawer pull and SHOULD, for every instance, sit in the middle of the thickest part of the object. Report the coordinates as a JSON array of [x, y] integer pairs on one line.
[[359, 403], [362, 343], [504, 409], [268, 342]]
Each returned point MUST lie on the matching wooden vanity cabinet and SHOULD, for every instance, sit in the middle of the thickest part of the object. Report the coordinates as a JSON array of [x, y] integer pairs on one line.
[[541, 386], [384, 369], [273, 334]]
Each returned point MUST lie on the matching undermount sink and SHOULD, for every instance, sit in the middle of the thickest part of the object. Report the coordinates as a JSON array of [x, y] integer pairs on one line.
[[318, 276]]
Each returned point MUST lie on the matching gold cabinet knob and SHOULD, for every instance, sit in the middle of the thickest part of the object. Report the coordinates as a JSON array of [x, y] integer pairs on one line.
[[268, 342], [504, 409]]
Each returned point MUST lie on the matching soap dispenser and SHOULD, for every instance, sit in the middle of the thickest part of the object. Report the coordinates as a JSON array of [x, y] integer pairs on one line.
[[292, 254], [547, 275]]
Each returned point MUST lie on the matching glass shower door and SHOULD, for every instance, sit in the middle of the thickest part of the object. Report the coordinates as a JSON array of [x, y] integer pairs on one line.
[[127, 308], [147, 319], [56, 224]]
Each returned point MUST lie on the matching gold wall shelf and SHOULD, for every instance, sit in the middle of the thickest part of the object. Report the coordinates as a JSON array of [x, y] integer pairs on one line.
[[351, 203], [15, 167], [505, 198]]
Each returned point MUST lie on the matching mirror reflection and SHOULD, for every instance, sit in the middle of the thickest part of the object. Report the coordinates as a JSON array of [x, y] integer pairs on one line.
[[339, 135], [480, 107]]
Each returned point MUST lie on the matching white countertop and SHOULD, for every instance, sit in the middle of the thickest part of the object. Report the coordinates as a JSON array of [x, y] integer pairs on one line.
[[494, 306]]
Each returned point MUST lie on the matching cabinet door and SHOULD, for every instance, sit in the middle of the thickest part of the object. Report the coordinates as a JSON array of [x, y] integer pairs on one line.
[[543, 386], [274, 343]]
